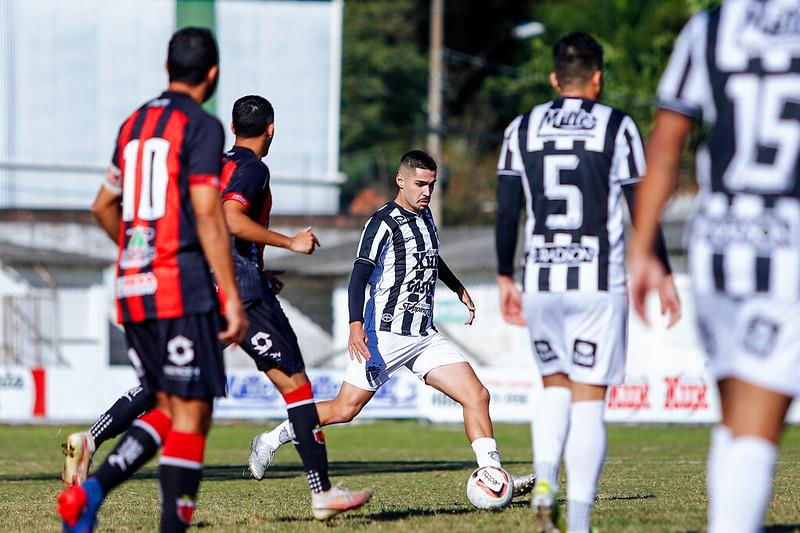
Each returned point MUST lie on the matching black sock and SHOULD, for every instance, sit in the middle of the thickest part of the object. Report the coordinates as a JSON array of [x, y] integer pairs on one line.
[[132, 405], [310, 444], [179, 473], [139, 444]]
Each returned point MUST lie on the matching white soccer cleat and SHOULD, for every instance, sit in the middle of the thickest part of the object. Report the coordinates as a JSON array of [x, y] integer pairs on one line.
[[545, 507], [522, 485], [326, 505], [261, 454], [78, 449]]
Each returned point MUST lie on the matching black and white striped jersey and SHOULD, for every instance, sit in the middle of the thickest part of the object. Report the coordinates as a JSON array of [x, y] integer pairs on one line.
[[404, 248], [573, 156], [738, 68]]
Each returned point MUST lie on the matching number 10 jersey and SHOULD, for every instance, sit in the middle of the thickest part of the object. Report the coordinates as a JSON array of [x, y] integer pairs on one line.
[[573, 156], [165, 147], [738, 69]]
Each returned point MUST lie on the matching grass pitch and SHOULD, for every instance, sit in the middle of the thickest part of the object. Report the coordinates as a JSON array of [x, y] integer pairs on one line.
[[653, 481]]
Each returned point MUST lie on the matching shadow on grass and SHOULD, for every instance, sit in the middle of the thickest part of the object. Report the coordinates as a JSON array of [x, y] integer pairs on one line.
[[776, 528], [338, 469], [387, 516], [626, 498]]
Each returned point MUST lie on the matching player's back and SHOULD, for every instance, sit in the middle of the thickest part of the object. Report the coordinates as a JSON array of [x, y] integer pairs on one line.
[[163, 148], [738, 68], [573, 156]]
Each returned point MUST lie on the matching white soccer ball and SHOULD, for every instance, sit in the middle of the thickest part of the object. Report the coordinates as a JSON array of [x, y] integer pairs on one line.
[[489, 488]]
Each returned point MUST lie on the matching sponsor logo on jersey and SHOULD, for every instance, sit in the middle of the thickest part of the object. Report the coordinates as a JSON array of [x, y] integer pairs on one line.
[[386, 317], [570, 255], [560, 119], [418, 286], [633, 396], [764, 232], [136, 285], [400, 219], [683, 394], [426, 260], [417, 307], [775, 21], [139, 252]]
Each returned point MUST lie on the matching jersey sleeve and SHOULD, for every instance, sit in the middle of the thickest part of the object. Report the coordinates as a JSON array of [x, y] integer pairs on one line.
[[204, 152], [113, 178], [374, 238], [510, 163], [245, 184], [628, 163], [685, 87]]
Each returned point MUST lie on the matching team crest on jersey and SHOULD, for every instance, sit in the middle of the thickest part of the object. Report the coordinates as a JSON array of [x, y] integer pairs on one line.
[[584, 353], [140, 251], [558, 120]]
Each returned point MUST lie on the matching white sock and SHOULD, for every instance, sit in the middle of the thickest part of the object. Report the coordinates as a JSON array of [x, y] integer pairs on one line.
[[549, 427], [717, 449], [486, 453], [279, 436], [743, 485], [584, 455]]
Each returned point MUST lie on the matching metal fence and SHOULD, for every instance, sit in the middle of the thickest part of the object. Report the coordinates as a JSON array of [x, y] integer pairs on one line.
[[31, 329]]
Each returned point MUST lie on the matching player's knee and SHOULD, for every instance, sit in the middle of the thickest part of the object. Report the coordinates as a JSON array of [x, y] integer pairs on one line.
[[483, 396], [478, 399], [345, 412]]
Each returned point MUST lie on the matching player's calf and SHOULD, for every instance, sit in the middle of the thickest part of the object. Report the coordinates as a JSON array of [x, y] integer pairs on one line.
[[180, 470], [308, 437]]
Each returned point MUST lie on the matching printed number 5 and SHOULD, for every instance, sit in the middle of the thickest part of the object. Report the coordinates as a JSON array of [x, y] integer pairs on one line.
[[154, 180], [555, 190]]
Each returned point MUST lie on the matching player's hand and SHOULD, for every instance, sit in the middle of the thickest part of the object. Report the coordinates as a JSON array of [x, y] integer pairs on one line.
[[357, 343], [237, 323], [510, 301], [304, 242], [647, 274], [670, 301], [465, 298]]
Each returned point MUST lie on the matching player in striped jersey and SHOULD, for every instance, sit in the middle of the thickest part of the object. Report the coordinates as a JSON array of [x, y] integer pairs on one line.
[[161, 204], [398, 257], [737, 69], [572, 159]]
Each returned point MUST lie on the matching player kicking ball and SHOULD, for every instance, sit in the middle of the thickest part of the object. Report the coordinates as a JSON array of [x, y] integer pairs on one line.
[[270, 339], [572, 159], [398, 257]]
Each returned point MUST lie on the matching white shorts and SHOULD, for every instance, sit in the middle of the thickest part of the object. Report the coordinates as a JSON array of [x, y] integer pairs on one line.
[[581, 334], [390, 352], [756, 340]]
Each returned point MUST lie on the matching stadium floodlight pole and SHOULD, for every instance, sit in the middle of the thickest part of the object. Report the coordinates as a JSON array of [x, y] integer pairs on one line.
[[435, 97]]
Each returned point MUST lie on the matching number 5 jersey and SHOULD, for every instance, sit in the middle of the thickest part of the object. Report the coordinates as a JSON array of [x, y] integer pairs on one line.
[[165, 147]]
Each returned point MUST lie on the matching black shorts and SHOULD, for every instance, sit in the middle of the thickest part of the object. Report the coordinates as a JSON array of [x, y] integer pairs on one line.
[[270, 339], [180, 356]]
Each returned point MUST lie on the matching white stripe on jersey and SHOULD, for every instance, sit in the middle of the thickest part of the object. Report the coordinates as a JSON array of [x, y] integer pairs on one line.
[[404, 247]]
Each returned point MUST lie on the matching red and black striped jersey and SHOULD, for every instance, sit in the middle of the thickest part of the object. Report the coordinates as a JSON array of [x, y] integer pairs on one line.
[[245, 179], [165, 147]]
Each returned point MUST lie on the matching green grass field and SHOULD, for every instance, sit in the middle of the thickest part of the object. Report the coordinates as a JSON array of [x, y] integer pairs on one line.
[[653, 481]]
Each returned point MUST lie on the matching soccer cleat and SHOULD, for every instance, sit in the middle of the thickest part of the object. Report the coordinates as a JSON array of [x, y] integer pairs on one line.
[[326, 505], [545, 507], [522, 485], [261, 454], [78, 449], [78, 507]]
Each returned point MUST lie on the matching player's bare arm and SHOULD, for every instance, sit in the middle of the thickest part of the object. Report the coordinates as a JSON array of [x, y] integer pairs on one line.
[[217, 248], [241, 225], [663, 154], [107, 210]]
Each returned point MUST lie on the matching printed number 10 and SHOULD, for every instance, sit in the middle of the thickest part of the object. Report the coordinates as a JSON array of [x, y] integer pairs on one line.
[[154, 180]]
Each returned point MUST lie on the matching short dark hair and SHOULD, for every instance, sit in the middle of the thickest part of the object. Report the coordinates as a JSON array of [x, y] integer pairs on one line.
[[192, 52], [575, 57], [251, 115], [418, 159]]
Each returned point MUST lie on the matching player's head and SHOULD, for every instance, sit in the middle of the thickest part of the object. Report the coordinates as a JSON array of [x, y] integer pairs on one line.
[[193, 59], [253, 118], [416, 177], [578, 66]]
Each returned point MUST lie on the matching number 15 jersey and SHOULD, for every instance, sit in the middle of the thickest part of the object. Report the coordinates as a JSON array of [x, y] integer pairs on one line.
[[165, 147], [573, 156], [738, 69]]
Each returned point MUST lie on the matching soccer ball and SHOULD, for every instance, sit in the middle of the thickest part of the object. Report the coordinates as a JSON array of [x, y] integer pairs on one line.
[[489, 488]]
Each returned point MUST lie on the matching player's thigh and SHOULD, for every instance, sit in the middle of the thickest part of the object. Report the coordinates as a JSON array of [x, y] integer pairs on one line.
[[545, 317], [270, 340], [767, 350], [596, 326], [436, 358], [389, 352], [192, 366]]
